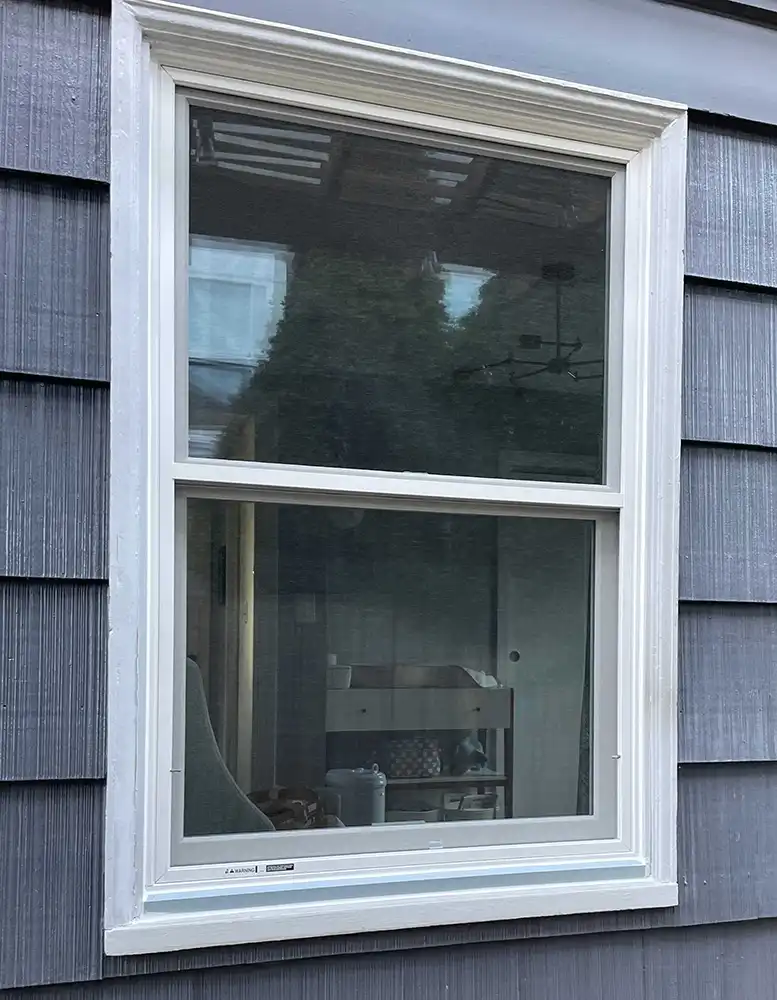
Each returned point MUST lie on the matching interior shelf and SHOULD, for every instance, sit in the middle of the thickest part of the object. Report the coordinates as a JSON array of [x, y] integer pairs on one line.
[[419, 709]]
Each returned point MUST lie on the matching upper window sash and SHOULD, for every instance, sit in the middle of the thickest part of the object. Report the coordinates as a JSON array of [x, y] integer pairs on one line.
[[360, 482]]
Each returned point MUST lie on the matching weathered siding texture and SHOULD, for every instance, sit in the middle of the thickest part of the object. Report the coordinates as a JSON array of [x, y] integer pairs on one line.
[[54, 89], [694, 963], [54, 309], [720, 942], [54, 264]]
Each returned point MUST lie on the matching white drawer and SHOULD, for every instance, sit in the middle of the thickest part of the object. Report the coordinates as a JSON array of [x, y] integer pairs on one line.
[[383, 709]]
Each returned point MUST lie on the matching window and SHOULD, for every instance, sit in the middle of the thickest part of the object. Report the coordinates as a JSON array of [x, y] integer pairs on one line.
[[403, 585], [236, 292]]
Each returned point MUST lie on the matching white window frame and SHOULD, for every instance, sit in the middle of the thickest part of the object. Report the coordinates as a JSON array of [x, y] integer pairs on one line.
[[152, 905]]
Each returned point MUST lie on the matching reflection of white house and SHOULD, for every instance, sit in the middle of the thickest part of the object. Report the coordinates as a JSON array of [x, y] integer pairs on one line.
[[236, 293]]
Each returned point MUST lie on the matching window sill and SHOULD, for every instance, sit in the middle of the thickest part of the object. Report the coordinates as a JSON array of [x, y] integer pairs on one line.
[[165, 932]]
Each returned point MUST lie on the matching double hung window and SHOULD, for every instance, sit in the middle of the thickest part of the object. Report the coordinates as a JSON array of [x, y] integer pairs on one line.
[[406, 606]]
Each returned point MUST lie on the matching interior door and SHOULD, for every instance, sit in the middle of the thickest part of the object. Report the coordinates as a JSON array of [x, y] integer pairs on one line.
[[544, 571]]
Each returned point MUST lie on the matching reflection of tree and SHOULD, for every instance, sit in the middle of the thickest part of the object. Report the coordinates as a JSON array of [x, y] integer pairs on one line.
[[357, 368], [362, 374]]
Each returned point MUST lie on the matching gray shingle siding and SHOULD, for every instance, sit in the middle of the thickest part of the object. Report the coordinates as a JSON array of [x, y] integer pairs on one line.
[[54, 310], [728, 528], [51, 877], [729, 962], [53, 480], [732, 206], [728, 682], [54, 97], [52, 680], [721, 940], [54, 264], [730, 357]]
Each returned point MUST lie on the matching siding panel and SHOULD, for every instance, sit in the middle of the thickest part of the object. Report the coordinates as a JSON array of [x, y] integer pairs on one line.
[[735, 962], [52, 680], [728, 526], [729, 365], [732, 206], [53, 480], [54, 98], [54, 265], [696, 964], [51, 874], [727, 847], [728, 682]]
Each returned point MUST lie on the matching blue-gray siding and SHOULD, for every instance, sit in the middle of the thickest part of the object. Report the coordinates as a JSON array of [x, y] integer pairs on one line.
[[54, 310], [721, 941], [730, 357], [728, 682], [53, 480], [54, 89], [728, 528], [732, 212], [52, 680], [50, 870], [734, 962]]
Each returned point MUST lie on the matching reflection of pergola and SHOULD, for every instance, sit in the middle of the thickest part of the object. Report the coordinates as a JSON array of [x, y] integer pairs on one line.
[[562, 210], [309, 187]]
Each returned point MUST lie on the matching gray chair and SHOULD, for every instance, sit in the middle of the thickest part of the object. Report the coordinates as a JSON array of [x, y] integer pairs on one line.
[[213, 801]]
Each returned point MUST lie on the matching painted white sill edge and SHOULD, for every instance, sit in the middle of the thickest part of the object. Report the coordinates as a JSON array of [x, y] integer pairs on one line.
[[168, 932]]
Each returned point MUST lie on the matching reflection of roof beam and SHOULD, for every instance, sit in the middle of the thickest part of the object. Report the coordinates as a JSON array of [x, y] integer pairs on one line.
[[271, 161], [275, 133], [444, 156], [445, 175], [271, 147], [279, 174]]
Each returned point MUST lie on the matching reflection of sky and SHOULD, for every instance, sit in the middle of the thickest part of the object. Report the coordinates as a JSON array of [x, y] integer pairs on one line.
[[462, 288]]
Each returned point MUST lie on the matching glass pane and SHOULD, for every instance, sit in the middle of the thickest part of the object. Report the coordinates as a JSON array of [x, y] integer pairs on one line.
[[366, 303], [352, 667]]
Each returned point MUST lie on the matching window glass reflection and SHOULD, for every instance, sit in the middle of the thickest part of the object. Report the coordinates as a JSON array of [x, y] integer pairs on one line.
[[366, 303]]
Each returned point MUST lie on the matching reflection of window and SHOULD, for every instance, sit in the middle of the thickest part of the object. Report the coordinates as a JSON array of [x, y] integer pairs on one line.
[[236, 292], [407, 628]]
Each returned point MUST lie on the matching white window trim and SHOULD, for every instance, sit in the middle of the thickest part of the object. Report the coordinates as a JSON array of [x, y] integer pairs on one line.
[[157, 46]]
